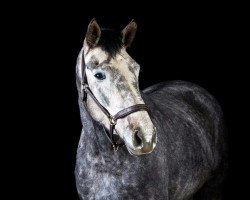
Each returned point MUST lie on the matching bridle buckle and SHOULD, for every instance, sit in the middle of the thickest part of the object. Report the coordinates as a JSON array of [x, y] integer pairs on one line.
[[85, 86], [115, 147], [112, 120]]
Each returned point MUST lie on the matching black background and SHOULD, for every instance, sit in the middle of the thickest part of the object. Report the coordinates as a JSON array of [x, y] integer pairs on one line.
[[197, 43]]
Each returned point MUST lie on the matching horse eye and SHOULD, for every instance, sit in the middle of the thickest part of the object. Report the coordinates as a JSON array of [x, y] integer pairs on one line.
[[100, 76]]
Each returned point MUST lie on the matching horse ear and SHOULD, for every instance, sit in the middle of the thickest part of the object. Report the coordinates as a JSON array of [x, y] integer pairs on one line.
[[128, 33], [93, 34]]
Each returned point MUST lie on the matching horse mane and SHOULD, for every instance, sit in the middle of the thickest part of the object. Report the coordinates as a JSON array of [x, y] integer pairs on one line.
[[110, 41]]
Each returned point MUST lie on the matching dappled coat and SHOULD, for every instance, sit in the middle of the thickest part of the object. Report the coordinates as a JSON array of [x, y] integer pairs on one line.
[[189, 160]]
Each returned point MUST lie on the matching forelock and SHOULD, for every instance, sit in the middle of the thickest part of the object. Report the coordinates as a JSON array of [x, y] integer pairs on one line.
[[110, 42]]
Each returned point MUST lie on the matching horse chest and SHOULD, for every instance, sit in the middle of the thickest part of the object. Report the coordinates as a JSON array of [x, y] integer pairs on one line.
[[111, 178]]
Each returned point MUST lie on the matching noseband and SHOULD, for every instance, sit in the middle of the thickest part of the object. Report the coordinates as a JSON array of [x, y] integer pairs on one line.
[[112, 118]]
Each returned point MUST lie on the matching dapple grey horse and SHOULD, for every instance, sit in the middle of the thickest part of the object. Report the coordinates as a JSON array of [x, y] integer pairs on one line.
[[175, 149]]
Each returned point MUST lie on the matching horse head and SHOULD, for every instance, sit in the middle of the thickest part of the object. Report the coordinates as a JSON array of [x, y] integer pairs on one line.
[[112, 76]]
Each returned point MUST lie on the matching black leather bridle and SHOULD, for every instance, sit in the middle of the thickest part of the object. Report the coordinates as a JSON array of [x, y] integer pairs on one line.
[[112, 118]]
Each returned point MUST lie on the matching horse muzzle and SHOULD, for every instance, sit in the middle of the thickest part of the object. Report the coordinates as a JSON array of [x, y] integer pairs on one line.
[[141, 143]]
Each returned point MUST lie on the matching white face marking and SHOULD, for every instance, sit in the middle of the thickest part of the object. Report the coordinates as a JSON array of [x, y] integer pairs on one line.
[[117, 91]]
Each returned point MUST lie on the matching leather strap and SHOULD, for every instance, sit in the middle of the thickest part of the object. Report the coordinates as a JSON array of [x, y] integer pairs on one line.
[[88, 91], [127, 111]]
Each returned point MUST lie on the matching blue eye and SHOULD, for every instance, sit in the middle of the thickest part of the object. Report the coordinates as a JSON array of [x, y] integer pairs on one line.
[[100, 76]]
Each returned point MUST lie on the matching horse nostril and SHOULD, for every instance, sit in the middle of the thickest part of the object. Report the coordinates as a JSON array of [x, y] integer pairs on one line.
[[137, 139]]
